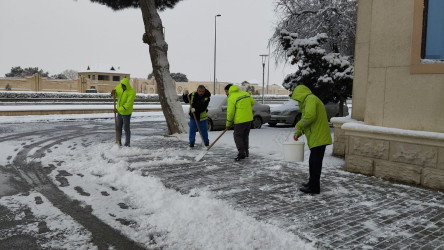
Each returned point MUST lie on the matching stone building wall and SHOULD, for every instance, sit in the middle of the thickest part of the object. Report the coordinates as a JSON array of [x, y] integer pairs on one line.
[[398, 127], [38, 83], [410, 157], [83, 83]]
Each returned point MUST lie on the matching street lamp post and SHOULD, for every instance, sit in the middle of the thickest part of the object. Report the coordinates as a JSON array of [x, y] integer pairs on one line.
[[264, 58], [268, 65], [214, 74]]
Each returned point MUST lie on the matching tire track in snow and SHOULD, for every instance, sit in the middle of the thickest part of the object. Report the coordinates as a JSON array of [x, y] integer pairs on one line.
[[35, 176]]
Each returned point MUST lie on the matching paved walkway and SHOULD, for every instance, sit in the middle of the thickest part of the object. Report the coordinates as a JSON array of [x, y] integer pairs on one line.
[[352, 212]]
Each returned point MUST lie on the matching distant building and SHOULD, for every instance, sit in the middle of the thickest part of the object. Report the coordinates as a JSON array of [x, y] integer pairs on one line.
[[149, 86], [104, 78], [272, 89], [101, 77]]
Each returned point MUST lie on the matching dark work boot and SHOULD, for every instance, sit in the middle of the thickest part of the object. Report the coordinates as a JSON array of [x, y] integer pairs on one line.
[[239, 157], [307, 184], [309, 190], [207, 144], [191, 144]]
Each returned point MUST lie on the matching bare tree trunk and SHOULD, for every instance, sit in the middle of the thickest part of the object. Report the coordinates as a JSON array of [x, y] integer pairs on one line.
[[171, 106]]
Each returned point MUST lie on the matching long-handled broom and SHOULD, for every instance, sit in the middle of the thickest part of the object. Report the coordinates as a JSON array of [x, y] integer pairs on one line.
[[115, 118], [201, 155]]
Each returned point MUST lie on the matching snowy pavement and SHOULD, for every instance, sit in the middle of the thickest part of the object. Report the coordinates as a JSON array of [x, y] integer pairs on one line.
[[67, 185]]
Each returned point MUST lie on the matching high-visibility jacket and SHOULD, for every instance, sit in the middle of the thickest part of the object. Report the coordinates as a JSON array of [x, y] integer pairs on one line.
[[239, 106], [199, 103], [314, 122], [125, 98]]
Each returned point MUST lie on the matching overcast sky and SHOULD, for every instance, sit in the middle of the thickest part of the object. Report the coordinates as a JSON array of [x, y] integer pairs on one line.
[[56, 35]]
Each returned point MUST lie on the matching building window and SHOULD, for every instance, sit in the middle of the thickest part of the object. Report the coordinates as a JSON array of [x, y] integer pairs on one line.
[[94, 77], [433, 30], [103, 78], [116, 78], [427, 55]]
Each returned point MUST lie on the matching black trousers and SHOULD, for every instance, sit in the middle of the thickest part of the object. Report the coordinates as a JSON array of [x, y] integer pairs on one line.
[[315, 167], [241, 136]]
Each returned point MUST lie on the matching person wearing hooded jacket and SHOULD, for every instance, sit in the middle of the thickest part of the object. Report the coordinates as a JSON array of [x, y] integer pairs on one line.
[[124, 108], [314, 124], [240, 113], [199, 101]]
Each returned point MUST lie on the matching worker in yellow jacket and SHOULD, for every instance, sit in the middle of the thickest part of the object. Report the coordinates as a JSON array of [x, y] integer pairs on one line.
[[240, 114], [125, 100], [314, 124]]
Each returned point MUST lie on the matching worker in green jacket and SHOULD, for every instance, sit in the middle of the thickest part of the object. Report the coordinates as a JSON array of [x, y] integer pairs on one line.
[[124, 108], [314, 124], [240, 113]]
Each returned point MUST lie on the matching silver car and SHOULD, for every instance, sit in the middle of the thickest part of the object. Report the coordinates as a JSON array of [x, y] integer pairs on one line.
[[217, 113], [289, 113]]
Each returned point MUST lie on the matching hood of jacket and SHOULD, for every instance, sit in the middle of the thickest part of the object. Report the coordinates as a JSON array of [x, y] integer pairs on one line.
[[233, 89], [126, 82], [300, 93]]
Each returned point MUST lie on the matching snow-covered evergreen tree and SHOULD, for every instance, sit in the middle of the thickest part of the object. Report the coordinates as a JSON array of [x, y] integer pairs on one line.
[[336, 18], [328, 75]]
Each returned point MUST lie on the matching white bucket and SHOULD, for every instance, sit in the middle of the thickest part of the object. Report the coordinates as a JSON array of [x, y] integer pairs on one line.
[[294, 151]]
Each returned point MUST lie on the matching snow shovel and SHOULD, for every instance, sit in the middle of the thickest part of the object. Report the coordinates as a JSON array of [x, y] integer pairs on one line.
[[195, 120], [115, 118], [201, 155]]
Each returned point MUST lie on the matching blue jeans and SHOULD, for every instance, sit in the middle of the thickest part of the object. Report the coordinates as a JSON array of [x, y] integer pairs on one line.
[[124, 121], [203, 130]]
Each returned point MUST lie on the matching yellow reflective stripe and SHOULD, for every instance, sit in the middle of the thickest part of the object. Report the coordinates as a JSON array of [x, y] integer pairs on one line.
[[191, 100], [241, 97]]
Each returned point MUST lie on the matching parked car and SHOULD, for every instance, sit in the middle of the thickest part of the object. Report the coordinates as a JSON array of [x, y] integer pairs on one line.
[[289, 113], [217, 113]]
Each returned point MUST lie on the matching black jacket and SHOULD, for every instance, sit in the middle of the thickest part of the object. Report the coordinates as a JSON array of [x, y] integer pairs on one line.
[[200, 103]]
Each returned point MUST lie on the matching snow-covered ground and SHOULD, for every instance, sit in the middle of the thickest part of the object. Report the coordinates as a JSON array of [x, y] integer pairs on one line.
[[180, 221], [268, 141], [115, 183]]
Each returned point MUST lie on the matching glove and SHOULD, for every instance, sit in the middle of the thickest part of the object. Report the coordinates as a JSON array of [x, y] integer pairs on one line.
[[193, 110], [295, 137]]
